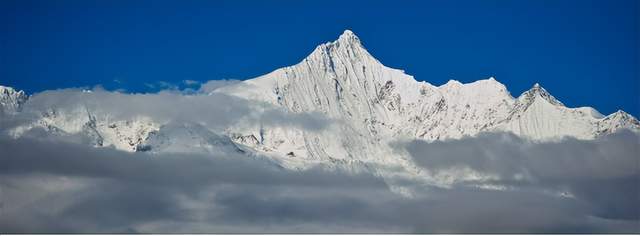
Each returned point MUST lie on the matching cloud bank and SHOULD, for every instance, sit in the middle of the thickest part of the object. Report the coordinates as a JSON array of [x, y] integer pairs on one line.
[[60, 187], [215, 111]]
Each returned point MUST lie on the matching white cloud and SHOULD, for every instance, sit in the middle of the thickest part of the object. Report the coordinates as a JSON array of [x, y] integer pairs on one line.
[[189, 82]]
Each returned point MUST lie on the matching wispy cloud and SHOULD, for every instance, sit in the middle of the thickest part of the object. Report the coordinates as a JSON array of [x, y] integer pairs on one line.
[[214, 111], [212, 85], [189, 82]]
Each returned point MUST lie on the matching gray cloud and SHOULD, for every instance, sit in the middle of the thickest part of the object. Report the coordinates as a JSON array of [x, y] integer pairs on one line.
[[60, 187], [603, 174], [117, 189], [507, 155]]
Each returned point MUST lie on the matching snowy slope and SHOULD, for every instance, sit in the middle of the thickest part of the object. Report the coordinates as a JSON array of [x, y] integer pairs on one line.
[[539, 115]]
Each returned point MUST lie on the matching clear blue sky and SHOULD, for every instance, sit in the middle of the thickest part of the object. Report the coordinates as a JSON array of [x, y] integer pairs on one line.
[[583, 52]]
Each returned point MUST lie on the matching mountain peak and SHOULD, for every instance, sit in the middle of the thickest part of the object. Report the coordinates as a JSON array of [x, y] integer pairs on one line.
[[10, 99], [348, 33], [346, 39], [618, 120], [621, 113], [538, 91], [6, 90], [347, 48], [452, 83], [9, 91]]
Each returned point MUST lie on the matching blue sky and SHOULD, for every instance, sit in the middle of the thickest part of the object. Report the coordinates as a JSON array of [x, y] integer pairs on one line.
[[583, 52]]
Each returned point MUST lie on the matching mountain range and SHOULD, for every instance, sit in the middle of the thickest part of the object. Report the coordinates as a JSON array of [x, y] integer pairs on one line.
[[370, 107]]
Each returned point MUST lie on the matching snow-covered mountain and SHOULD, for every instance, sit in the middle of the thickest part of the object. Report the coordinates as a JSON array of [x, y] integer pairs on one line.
[[94, 127], [538, 115], [11, 100], [378, 104], [372, 106]]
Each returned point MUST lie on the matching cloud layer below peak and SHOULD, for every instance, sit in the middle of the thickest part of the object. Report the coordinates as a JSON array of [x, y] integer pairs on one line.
[[61, 187]]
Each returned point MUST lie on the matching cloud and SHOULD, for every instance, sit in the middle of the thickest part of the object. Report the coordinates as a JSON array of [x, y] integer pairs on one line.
[[167, 85], [604, 173], [150, 85], [189, 82], [507, 155], [60, 187], [107, 189], [214, 111], [212, 85]]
